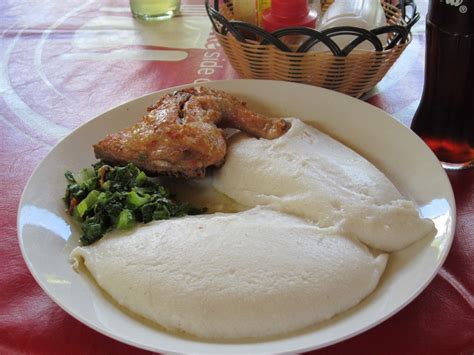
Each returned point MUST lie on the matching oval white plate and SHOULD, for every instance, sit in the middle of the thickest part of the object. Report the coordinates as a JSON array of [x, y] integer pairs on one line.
[[46, 236]]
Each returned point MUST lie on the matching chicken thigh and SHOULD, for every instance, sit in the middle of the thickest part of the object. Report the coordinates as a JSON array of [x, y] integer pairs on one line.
[[182, 133]]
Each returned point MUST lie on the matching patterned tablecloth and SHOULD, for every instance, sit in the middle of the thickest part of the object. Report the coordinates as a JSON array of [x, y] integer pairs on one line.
[[64, 62]]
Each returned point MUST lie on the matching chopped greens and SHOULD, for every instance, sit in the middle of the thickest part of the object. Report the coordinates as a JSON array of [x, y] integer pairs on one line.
[[103, 198]]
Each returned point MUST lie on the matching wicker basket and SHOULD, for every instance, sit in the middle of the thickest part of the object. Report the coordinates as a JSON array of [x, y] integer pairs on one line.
[[257, 54]]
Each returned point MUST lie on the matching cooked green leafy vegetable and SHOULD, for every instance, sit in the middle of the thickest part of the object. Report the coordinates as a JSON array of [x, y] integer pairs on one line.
[[103, 198]]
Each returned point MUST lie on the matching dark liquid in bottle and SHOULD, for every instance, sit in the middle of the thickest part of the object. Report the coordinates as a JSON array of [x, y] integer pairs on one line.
[[445, 117]]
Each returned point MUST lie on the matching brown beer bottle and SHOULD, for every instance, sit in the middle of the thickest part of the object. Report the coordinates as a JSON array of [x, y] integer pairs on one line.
[[445, 117]]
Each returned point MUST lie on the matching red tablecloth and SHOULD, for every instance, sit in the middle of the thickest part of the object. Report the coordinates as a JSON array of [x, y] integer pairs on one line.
[[63, 62]]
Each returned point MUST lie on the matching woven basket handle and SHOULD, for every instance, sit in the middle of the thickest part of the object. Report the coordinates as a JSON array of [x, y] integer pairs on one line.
[[237, 28]]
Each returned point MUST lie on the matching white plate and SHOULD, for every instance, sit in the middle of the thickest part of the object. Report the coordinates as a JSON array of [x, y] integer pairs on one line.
[[46, 236]]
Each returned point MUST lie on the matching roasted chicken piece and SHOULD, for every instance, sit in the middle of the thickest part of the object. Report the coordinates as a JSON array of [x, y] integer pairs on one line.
[[182, 133]]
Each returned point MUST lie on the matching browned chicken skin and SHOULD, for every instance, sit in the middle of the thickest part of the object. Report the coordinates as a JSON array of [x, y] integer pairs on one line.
[[181, 135]]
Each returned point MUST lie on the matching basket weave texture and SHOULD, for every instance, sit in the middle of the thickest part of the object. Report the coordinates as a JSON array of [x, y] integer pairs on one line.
[[353, 74]]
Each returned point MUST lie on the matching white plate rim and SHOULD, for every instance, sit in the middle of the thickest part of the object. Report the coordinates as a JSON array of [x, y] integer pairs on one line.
[[217, 84]]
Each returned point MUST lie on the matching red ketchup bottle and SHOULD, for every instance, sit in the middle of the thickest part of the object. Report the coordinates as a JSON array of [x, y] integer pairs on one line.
[[288, 13], [445, 117]]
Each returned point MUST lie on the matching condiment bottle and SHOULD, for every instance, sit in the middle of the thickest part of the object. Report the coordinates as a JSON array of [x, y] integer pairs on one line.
[[445, 116], [262, 6], [245, 10], [288, 13], [366, 14]]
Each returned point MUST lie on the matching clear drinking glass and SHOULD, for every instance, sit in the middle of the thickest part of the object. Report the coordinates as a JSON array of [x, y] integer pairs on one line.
[[154, 9]]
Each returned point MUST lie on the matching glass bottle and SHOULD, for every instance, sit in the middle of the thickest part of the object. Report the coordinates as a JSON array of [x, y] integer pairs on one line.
[[445, 116]]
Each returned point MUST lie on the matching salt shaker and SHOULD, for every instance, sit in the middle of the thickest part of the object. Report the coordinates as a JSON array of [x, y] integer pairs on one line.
[[366, 14]]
